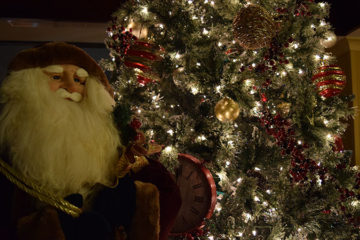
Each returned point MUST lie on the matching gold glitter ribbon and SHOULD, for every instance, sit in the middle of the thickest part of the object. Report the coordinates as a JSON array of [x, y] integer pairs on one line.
[[331, 77]]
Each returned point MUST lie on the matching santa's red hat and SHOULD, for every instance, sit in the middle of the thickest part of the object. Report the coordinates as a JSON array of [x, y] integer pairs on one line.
[[55, 53]]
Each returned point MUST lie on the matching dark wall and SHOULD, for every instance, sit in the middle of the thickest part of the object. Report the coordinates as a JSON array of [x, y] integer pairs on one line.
[[8, 50]]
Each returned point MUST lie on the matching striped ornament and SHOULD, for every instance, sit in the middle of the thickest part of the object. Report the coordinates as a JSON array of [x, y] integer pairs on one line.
[[141, 56], [329, 80]]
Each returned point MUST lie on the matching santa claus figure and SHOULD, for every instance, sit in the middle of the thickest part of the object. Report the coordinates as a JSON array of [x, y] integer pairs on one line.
[[64, 174]]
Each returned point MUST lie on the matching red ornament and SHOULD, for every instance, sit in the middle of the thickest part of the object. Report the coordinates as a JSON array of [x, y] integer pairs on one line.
[[142, 56], [339, 146], [330, 80]]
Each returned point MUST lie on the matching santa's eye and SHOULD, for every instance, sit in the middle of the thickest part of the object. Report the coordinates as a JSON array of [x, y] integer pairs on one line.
[[56, 77], [80, 80]]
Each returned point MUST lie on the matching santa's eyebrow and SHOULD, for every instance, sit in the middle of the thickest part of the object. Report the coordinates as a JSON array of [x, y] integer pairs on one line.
[[82, 72], [54, 69]]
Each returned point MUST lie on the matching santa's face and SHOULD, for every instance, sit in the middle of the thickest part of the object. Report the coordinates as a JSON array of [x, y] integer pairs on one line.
[[65, 146], [67, 77]]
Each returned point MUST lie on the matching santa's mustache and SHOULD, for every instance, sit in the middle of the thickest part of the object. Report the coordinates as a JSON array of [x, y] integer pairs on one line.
[[75, 96]]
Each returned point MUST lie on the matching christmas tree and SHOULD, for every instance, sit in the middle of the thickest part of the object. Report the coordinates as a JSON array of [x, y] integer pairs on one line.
[[249, 87]]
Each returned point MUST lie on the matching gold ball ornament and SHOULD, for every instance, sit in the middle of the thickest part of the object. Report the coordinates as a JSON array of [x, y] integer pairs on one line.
[[227, 110], [329, 40], [254, 27]]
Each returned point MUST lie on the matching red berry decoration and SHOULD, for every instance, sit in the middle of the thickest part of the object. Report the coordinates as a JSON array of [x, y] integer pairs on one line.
[[329, 80], [135, 123]]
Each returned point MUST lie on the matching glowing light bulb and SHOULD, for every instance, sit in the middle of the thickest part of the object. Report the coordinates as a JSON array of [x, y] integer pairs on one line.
[[322, 5], [218, 89], [254, 232], [239, 180], [194, 90], [256, 199], [317, 57], [329, 136], [355, 203], [249, 82], [218, 208], [144, 10], [171, 132], [205, 31], [168, 149]]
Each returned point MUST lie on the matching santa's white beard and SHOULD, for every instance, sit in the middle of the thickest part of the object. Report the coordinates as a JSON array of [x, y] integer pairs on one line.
[[63, 145]]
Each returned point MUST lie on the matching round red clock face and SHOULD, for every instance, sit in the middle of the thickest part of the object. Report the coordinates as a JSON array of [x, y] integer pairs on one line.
[[198, 194]]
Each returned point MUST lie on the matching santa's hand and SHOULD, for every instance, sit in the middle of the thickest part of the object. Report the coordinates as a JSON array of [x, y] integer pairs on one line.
[[42, 225]]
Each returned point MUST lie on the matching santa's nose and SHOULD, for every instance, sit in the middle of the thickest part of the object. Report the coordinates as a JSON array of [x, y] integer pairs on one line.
[[69, 83]]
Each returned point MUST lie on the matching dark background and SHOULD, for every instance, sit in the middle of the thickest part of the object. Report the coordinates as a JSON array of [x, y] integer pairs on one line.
[[344, 14]]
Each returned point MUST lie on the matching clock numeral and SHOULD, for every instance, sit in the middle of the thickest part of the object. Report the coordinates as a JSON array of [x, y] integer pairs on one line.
[[194, 211], [187, 178], [199, 199], [196, 186]]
